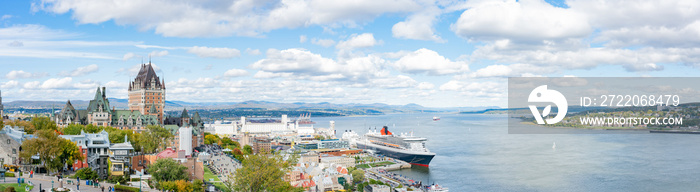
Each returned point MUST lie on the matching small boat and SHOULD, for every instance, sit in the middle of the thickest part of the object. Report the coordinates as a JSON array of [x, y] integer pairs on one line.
[[436, 188], [554, 145], [436, 118]]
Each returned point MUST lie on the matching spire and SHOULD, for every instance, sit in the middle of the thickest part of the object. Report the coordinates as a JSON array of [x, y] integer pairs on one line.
[[184, 114], [98, 94]]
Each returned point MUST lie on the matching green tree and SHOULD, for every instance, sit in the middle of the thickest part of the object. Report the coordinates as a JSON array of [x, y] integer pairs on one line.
[[167, 170], [197, 185], [73, 129], [93, 128], [154, 137], [358, 175], [247, 150], [86, 173], [261, 173], [227, 141]]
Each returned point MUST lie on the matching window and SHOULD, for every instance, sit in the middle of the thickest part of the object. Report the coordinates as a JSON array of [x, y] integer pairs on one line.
[[8, 141], [14, 151]]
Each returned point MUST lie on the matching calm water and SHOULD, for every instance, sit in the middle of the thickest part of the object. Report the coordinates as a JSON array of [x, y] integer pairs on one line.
[[476, 153]]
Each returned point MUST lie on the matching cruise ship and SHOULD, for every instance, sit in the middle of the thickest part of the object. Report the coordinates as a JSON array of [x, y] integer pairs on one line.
[[403, 147]]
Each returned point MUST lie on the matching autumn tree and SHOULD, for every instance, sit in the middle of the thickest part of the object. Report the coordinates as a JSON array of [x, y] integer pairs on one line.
[[53, 151], [28, 127], [210, 139], [43, 123]]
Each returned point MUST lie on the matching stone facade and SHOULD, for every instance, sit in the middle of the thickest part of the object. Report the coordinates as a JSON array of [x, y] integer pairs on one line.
[[147, 93]]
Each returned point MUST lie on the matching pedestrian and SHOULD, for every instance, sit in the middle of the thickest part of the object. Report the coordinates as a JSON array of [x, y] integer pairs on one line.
[[103, 188]]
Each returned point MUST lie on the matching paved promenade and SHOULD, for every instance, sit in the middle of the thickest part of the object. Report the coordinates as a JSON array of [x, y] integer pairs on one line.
[[39, 180]]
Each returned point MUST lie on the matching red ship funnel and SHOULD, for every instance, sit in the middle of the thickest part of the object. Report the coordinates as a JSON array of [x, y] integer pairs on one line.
[[385, 131]]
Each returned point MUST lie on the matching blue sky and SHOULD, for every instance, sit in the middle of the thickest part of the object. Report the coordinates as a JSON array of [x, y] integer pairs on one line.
[[434, 53]]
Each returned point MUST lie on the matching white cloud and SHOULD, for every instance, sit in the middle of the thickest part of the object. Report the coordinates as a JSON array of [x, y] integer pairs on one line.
[[215, 52], [158, 53], [31, 85], [129, 55], [430, 62], [56, 83], [303, 39], [9, 84], [5, 17], [134, 69], [488, 89], [116, 84], [32, 32], [494, 71], [425, 86], [80, 71], [253, 51], [224, 18], [522, 21], [419, 26], [400, 81], [20, 74], [543, 61], [323, 42], [657, 36], [236, 73], [358, 41], [302, 64], [15, 43]]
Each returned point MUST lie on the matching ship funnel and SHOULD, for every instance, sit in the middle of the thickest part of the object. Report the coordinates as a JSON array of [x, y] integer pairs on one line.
[[385, 131]]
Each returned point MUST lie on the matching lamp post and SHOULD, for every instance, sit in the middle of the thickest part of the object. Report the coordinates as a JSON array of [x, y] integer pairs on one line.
[[140, 177]]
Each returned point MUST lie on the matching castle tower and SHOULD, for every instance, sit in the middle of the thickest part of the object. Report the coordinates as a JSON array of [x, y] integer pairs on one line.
[[146, 92]]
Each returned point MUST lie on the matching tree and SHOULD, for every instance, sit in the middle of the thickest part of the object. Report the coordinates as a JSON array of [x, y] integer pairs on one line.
[[44, 123], [197, 185], [69, 152], [247, 150], [86, 173], [73, 129], [210, 139], [52, 150], [167, 170], [28, 127], [183, 186], [154, 138], [358, 175], [93, 128], [261, 173]]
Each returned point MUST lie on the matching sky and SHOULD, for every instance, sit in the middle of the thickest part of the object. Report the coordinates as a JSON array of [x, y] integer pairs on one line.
[[435, 53]]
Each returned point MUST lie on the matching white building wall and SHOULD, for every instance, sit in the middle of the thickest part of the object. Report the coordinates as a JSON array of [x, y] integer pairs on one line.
[[186, 140], [221, 129]]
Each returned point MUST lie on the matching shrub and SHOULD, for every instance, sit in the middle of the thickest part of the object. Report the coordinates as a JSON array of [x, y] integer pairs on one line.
[[117, 179], [86, 174], [125, 188], [9, 174], [10, 189]]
